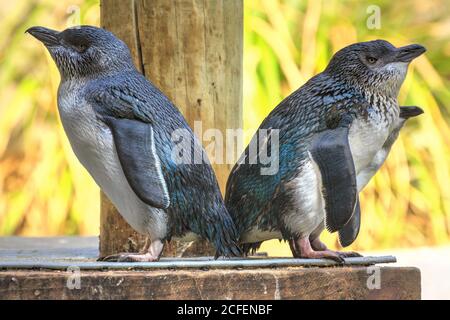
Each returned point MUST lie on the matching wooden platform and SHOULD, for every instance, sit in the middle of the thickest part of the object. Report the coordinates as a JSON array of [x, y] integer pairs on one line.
[[65, 268]]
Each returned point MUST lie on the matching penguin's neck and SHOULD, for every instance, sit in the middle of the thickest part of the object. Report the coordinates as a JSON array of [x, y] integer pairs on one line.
[[382, 99], [383, 103], [385, 107], [86, 77]]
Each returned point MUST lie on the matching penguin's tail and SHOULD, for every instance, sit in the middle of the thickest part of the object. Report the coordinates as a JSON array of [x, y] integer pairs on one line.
[[250, 248], [224, 235]]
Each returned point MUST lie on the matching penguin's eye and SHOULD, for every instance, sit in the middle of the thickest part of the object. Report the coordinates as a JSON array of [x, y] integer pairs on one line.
[[371, 60], [74, 39], [80, 48]]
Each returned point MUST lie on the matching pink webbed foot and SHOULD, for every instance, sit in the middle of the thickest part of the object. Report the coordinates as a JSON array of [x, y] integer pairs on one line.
[[302, 248], [150, 253], [318, 245]]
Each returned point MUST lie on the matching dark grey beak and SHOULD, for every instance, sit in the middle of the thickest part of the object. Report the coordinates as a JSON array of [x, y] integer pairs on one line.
[[47, 36], [408, 53], [410, 111]]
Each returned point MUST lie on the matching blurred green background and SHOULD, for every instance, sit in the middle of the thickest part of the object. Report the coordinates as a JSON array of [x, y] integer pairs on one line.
[[45, 191]]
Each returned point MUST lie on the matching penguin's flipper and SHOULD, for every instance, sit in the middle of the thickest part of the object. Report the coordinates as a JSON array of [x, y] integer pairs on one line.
[[348, 234], [330, 151], [135, 146]]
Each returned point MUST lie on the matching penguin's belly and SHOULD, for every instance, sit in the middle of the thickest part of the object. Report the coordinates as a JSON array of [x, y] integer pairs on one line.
[[305, 215], [93, 144], [309, 214], [366, 138]]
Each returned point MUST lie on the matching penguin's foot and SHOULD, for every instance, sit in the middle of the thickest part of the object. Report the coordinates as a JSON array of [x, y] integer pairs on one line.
[[301, 248], [130, 257], [318, 245], [152, 253]]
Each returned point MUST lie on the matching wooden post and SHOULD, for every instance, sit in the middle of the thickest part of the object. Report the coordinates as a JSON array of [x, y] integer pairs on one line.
[[192, 50]]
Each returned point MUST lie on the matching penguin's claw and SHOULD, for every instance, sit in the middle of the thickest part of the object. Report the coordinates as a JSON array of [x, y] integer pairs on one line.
[[350, 254], [327, 254], [301, 248], [318, 245]]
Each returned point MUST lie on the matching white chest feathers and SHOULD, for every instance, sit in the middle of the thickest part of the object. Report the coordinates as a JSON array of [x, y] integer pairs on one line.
[[90, 139], [366, 138], [93, 144]]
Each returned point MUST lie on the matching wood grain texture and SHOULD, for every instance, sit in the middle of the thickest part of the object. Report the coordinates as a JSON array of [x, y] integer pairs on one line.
[[119, 17], [116, 235], [192, 50], [287, 283]]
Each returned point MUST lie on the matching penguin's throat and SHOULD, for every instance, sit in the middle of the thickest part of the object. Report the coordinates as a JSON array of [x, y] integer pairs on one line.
[[384, 108]]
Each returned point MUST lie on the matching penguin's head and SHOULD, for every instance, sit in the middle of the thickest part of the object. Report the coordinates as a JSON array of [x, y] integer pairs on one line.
[[84, 51], [374, 65]]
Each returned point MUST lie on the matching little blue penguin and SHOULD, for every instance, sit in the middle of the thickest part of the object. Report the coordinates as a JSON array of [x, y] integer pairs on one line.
[[121, 127], [333, 134]]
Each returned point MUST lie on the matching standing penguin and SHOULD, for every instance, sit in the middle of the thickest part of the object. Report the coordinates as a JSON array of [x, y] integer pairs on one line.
[[120, 127], [333, 133]]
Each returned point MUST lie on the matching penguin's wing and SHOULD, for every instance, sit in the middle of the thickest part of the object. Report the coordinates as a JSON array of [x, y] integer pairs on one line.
[[349, 232], [135, 146], [330, 150]]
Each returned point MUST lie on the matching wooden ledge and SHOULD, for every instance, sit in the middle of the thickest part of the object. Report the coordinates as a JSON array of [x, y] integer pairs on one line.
[[25, 273], [285, 283]]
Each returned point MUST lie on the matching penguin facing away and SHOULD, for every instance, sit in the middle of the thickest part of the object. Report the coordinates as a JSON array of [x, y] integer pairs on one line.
[[334, 134], [120, 127]]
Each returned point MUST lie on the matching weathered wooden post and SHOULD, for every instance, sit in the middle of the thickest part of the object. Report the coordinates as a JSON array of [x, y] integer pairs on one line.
[[192, 50]]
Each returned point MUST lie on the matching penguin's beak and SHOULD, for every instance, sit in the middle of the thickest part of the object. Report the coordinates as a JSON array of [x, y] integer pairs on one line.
[[408, 53], [47, 36], [410, 112]]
